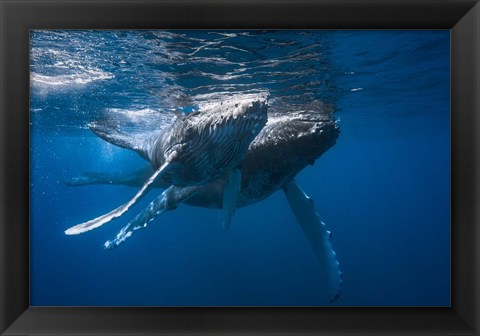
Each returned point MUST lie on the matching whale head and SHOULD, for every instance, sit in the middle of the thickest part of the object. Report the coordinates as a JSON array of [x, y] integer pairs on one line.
[[204, 145], [286, 145], [313, 134], [300, 135]]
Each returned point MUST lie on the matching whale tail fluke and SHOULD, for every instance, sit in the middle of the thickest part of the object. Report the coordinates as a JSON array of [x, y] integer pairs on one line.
[[132, 179], [113, 135], [317, 235], [86, 178]]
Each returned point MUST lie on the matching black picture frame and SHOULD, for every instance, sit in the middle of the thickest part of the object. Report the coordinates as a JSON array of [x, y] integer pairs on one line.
[[17, 17]]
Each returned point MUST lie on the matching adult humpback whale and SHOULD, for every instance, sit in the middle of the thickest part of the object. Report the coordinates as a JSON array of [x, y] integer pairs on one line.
[[285, 146]]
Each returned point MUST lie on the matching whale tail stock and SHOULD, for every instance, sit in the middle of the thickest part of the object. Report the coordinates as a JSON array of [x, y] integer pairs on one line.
[[135, 178]]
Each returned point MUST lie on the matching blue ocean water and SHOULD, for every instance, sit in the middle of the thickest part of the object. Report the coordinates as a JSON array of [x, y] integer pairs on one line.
[[383, 189]]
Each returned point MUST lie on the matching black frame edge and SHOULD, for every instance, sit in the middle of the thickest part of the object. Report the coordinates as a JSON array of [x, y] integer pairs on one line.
[[14, 172], [16, 17], [3, 319], [465, 180], [14, 261], [237, 14], [238, 321]]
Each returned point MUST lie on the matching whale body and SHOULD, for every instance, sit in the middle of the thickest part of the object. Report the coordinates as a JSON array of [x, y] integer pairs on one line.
[[286, 144], [195, 150]]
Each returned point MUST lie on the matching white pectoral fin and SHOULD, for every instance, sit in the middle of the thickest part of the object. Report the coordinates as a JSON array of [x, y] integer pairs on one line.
[[169, 199], [230, 196], [99, 221], [317, 234]]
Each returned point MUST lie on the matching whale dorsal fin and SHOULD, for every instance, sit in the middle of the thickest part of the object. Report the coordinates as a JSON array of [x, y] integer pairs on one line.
[[317, 234]]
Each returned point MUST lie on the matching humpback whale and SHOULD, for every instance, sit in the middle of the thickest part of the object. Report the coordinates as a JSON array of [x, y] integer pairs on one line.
[[286, 144], [194, 150]]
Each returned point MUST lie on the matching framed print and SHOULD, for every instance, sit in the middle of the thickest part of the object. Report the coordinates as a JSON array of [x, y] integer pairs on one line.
[[270, 108], [239, 168]]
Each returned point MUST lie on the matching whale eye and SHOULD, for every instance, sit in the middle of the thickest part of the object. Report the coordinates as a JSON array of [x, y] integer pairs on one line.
[[189, 131]]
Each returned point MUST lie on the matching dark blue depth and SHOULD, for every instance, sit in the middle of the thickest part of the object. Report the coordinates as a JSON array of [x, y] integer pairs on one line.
[[383, 189]]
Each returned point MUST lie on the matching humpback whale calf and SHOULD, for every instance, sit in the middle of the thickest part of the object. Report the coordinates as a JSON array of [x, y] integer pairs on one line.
[[285, 145], [194, 150]]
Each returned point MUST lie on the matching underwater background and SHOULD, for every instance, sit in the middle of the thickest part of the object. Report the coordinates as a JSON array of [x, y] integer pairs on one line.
[[383, 189]]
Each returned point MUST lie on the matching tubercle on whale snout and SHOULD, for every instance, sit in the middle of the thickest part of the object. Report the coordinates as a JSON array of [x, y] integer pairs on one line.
[[207, 144], [234, 125], [222, 120], [236, 113], [307, 139], [323, 136], [225, 120]]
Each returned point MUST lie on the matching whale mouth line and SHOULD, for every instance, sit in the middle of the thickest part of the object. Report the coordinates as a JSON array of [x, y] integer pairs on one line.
[[170, 149]]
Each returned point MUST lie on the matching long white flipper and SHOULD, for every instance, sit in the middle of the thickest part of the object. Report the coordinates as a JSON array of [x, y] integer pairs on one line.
[[317, 234], [99, 221], [230, 196], [168, 200]]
